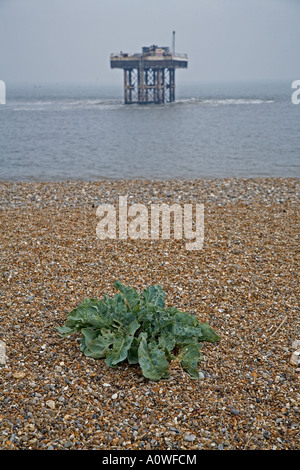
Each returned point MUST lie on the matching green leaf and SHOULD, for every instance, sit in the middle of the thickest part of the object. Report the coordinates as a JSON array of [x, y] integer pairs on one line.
[[152, 359], [83, 315], [167, 339], [187, 334], [154, 295], [120, 347], [208, 333], [98, 346], [88, 335], [65, 330], [184, 319], [131, 296], [132, 355], [191, 355], [128, 322]]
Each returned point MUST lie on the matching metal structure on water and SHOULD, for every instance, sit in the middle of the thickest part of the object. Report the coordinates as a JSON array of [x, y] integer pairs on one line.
[[149, 77]]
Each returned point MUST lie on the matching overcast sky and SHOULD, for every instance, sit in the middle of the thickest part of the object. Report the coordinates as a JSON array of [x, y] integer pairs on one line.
[[71, 40]]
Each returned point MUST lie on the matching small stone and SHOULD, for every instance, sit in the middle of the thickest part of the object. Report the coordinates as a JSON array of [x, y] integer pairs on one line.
[[174, 430], [50, 413], [114, 396], [295, 359], [3, 357], [234, 411], [50, 404], [190, 437], [19, 375], [68, 444]]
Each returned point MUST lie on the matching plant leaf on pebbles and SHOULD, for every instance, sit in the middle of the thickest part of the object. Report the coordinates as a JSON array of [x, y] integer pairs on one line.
[[138, 328]]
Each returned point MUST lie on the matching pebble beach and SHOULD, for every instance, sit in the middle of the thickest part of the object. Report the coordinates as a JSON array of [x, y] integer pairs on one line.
[[244, 282]]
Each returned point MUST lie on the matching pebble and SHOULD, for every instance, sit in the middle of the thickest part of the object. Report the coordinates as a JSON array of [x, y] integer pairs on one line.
[[189, 437], [244, 283], [295, 358], [68, 445], [3, 358], [51, 404], [19, 374]]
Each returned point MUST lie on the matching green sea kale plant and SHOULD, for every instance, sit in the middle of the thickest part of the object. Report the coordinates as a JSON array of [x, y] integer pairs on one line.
[[140, 329]]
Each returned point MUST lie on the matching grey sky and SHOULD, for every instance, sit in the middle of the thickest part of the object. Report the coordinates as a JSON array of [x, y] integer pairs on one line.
[[71, 40]]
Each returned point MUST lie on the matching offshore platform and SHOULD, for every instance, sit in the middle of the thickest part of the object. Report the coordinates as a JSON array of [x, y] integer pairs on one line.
[[149, 77]]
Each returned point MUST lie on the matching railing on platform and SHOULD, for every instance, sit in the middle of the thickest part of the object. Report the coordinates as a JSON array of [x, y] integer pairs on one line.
[[124, 55]]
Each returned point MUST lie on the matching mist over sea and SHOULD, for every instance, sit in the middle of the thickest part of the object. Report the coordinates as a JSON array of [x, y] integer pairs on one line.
[[213, 130]]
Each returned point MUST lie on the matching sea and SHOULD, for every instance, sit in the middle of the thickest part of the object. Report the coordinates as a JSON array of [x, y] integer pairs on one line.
[[59, 132]]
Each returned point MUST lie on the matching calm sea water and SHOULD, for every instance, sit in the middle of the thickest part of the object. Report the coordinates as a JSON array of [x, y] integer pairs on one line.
[[60, 132]]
